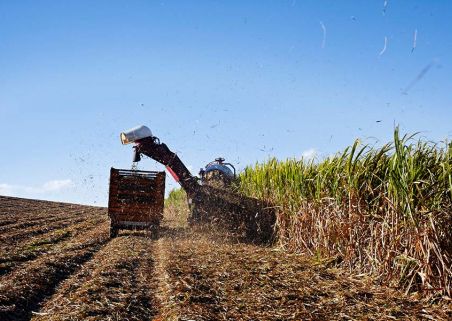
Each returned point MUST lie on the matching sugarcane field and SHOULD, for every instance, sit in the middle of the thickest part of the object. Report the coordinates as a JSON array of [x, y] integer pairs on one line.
[[225, 160]]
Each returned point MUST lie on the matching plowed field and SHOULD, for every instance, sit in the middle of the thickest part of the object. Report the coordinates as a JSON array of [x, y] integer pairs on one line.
[[57, 262]]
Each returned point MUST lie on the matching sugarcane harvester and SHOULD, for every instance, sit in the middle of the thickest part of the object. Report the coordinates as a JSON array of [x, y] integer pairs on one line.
[[211, 197]]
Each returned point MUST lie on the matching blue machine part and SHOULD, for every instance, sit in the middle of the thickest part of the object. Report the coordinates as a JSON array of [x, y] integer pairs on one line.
[[222, 168]]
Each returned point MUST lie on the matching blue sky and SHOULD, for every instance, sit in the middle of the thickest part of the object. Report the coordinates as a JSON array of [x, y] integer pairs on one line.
[[242, 79]]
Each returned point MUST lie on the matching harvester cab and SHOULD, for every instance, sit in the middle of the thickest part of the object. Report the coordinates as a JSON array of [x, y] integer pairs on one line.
[[218, 173]]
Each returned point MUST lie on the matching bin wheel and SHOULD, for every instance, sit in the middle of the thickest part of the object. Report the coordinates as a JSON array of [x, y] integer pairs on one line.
[[155, 232], [113, 232]]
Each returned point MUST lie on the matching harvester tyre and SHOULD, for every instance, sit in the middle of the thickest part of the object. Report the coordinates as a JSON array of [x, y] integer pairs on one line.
[[113, 232], [154, 232]]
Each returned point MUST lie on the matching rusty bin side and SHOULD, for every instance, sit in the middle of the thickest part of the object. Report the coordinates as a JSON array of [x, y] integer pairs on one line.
[[136, 199]]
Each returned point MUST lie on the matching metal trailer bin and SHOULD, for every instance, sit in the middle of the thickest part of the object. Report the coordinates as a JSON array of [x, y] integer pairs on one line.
[[136, 200]]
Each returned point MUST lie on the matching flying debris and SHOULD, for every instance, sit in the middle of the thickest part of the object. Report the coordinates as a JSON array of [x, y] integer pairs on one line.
[[215, 125], [385, 6], [421, 75], [414, 40], [324, 34], [384, 47]]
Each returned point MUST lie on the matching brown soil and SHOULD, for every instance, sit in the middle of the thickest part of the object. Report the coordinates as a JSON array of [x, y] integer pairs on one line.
[[75, 272], [118, 282]]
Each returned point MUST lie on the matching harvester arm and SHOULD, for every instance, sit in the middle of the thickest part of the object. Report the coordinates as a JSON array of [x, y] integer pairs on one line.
[[153, 148]]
